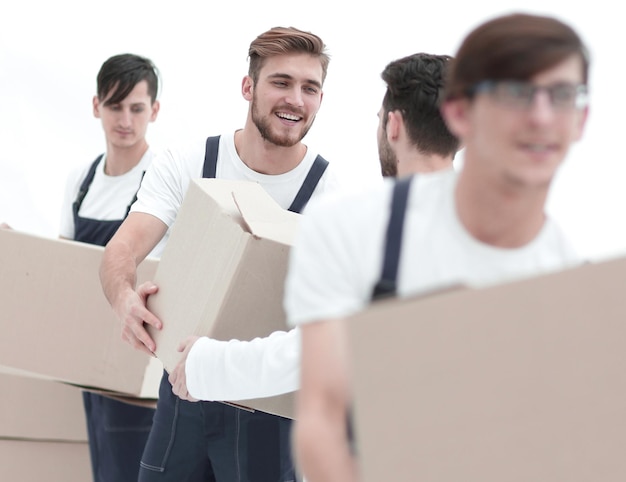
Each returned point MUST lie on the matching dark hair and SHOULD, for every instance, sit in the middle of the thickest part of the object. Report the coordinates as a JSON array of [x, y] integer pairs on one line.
[[285, 40], [515, 47], [120, 74], [415, 87]]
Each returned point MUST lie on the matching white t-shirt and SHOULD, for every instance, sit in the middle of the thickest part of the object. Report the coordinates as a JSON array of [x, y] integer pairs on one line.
[[108, 197], [338, 255], [231, 370]]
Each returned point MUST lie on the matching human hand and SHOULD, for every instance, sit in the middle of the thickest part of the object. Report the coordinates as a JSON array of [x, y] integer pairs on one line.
[[5, 226], [131, 310], [178, 377]]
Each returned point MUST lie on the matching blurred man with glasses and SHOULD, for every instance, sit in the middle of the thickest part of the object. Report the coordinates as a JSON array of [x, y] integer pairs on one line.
[[516, 98]]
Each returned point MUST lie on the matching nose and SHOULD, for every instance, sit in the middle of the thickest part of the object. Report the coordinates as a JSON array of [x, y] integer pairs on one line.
[[541, 109], [295, 97], [125, 118]]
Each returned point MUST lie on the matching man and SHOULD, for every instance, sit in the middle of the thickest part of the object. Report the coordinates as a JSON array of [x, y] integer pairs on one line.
[[210, 440], [517, 99], [97, 199], [412, 135]]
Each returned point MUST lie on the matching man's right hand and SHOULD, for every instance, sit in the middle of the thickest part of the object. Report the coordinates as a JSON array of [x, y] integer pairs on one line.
[[134, 239], [131, 310]]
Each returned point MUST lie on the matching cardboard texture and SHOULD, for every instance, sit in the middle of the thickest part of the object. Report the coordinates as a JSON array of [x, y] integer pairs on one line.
[[517, 382], [34, 461], [222, 271], [41, 410], [56, 322]]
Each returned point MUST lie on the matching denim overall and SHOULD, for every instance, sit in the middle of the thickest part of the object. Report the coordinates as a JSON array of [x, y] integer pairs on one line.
[[214, 441], [117, 431]]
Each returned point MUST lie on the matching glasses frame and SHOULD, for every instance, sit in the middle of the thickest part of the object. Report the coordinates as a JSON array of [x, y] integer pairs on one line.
[[580, 99]]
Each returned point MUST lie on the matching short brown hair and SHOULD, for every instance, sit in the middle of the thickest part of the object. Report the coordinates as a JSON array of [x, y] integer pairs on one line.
[[414, 87], [285, 40], [512, 47]]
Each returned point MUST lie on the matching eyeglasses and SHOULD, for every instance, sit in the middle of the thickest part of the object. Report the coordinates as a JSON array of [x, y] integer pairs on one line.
[[520, 95]]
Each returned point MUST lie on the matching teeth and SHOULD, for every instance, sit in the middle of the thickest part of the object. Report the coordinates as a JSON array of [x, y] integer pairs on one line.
[[290, 117]]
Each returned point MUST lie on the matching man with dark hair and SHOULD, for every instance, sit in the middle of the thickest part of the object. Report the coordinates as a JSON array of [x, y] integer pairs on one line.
[[97, 199], [412, 135], [211, 440], [516, 98]]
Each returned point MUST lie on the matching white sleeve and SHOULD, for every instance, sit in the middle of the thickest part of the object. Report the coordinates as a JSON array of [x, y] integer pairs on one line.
[[240, 370]]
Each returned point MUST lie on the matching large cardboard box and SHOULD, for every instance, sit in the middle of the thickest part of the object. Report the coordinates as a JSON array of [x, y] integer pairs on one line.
[[37, 409], [517, 382], [56, 323], [35, 461], [222, 272]]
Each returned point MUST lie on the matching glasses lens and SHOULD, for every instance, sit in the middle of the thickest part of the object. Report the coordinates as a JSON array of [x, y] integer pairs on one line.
[[563, 95], [516, 94]]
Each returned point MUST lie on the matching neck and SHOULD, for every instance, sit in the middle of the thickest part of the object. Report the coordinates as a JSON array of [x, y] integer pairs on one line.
[[415, 161], [120, 160], [497, 212], [264, 157]]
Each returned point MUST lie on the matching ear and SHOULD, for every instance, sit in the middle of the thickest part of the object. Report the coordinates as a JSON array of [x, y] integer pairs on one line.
[[155, 110], [455, 113], [96, 106], [395, 124], [247, 88]]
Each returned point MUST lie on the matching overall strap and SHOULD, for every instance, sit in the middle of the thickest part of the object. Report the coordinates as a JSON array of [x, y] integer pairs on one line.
[[210, 157], [306, 190], [84, 187], [308, 186], [386, 286]]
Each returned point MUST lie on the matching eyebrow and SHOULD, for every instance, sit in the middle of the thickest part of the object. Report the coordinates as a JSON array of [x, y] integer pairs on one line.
[[290, 77]]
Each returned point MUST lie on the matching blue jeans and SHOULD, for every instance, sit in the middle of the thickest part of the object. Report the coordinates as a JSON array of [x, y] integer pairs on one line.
[[117, 436], [215, 442]]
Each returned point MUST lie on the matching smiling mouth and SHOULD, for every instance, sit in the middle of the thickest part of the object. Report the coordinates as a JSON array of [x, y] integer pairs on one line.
[[534, 147], [288, 117]]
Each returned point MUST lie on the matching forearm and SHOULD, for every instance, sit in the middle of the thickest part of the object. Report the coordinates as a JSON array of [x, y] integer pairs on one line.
[[240, 370], [322, 451], [118, 271]]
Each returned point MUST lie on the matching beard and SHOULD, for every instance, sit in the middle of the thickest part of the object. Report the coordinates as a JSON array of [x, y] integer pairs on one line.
[[263, 124], [388, 159]]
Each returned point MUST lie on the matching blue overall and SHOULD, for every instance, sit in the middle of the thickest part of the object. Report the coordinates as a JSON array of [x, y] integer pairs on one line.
[[214, 441], [117, 431]]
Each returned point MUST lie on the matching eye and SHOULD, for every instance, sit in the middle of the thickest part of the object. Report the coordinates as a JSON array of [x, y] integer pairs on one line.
[[563, 94], [280, 83], [517, 90], [115, 107], [311, 90], [137, 110]]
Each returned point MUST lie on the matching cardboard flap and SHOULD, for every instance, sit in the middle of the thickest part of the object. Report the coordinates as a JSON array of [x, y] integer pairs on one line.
[[264, 218]]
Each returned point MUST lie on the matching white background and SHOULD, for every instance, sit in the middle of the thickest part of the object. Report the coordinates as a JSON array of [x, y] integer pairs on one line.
[[50, 53]]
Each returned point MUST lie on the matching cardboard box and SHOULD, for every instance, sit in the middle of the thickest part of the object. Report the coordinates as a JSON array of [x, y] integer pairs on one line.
[[33, 461], [517, 382], [222, 272], [41, 410], [56, 323]]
